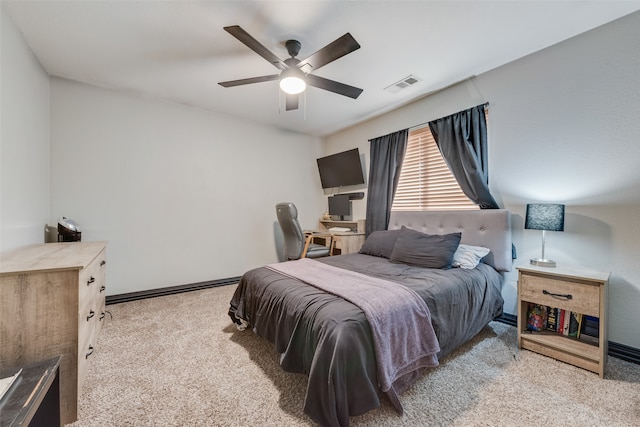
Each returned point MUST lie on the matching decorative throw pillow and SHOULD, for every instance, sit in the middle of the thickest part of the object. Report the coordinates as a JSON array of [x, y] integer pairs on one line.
[[380, 243], [467, 256], [425, 250]]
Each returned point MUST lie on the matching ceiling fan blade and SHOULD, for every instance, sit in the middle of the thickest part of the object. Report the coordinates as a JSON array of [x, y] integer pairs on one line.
[[240, 82], [333, 86], [256, 46], [292, 102], [334, 50]]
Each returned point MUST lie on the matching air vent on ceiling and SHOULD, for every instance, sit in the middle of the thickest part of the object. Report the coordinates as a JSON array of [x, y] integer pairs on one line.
[[402, 84]]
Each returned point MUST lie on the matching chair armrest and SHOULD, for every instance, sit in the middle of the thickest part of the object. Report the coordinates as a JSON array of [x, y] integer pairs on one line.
[[318, 233], [310, 235]]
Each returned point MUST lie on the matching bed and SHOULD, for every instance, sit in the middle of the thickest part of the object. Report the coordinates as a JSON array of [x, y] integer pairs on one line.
[[336, 341]]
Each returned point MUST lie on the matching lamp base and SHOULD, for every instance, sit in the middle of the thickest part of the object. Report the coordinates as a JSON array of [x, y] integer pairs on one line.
[[541, 262]]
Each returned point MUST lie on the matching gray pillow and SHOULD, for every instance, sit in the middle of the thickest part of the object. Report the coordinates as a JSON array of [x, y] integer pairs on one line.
[[380, 243], [425, 250]]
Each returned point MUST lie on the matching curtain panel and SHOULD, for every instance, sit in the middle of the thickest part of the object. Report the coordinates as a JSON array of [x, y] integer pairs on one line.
[[386, 154], [462, 140]]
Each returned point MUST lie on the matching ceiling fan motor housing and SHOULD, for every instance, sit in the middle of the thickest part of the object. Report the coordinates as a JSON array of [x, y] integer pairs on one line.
[[293, 47]]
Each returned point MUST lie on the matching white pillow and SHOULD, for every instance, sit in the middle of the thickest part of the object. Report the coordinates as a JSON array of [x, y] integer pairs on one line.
[[467, 256]]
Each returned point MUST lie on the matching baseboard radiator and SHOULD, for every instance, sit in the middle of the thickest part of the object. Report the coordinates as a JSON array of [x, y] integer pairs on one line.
[[621, 351], [171, 290]]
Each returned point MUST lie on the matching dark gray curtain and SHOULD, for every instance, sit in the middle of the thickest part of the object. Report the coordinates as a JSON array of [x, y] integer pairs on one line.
[[386, 154], [462, 139]]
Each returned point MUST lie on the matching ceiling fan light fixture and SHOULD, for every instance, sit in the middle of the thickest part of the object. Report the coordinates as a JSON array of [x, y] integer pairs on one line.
[[294, 72], [292, 85]]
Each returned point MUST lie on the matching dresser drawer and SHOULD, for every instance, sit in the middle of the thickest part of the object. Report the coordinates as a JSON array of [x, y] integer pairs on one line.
[[92, 278], [85, 353], [574, 295], [90, 311], [88, 331], [87, 325]]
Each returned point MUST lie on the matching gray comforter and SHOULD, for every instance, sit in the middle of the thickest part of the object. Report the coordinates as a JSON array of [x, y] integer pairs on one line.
[[329, 338]]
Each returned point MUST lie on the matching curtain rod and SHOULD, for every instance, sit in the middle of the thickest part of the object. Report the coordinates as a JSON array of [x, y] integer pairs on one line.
[[486, 104]]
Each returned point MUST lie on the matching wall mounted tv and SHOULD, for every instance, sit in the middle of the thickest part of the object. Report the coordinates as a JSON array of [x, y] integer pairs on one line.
[[341, 169]]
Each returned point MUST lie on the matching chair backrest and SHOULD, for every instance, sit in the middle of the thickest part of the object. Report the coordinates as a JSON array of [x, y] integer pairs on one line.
[[293, 236]]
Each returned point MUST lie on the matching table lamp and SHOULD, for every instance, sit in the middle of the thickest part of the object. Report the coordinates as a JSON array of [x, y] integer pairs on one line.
[[545, 217]]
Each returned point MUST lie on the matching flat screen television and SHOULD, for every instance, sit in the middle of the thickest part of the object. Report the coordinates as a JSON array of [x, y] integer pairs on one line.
[[340, 206], [341, 169]]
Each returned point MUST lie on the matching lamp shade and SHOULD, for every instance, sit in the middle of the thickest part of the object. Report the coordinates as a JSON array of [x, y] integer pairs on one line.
[[544, 216]]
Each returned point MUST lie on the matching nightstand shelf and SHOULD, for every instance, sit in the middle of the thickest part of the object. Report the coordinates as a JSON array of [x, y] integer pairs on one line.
[[572, 289]]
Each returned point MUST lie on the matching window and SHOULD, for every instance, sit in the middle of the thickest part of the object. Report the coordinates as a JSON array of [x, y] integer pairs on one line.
[[426, 183]]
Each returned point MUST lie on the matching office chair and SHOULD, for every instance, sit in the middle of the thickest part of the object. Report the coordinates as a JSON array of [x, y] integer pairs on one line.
[[299, 244]]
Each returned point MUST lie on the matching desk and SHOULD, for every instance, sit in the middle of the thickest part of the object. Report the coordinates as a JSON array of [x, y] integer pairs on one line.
[[345, 242], [34, 398]]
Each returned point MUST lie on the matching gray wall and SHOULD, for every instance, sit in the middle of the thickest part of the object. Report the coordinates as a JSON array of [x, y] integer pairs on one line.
[[564, 127]]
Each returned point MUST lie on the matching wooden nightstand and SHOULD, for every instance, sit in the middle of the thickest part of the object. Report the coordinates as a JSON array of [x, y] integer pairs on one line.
[[572, 289]]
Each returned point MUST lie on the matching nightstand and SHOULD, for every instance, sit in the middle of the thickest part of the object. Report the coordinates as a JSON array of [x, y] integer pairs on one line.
[[572, 289]]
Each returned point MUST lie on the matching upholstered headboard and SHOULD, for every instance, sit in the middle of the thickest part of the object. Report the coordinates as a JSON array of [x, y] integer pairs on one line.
[[490, 228]]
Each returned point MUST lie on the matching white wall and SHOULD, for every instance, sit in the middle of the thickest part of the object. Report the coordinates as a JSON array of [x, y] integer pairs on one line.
[[182, 195], [563, 127], [24, 141]]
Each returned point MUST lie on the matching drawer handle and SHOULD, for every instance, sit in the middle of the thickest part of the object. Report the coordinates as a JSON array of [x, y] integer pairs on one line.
[[102, 288], [103, 262], [565, 296], [86, 356], [102, 315], [91, 280], [91, 314]]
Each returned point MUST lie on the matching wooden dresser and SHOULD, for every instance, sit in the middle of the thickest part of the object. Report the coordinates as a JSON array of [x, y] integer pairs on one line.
[[52, 302]]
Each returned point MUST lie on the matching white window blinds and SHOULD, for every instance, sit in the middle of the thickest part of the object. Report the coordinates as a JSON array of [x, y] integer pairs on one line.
[[426, 183]]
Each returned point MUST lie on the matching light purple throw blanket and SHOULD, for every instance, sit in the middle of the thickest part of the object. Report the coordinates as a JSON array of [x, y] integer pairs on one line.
[[404, 340]]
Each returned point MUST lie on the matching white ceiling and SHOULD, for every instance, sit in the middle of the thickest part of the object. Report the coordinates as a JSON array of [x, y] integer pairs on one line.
[[178, 50]]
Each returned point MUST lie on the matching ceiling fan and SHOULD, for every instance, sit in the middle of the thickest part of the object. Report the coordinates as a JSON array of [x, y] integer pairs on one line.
[[296, 74]]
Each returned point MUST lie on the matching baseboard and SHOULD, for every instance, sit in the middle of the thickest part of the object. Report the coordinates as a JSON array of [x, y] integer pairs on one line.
[[624, 352], [509, 319], [152, 293], [621, 351]]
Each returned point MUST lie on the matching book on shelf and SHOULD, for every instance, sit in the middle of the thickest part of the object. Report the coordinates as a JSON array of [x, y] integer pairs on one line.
[[575, 321], [565, 322], [591, 325], [536, 317], [552, 319], [545, 319], [590, 329]]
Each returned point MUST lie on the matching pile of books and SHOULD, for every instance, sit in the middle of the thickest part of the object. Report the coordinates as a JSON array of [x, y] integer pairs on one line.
[[542, 318]]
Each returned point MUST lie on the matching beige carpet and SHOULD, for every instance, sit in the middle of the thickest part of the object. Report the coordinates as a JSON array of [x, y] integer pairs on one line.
[[178, 361]]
